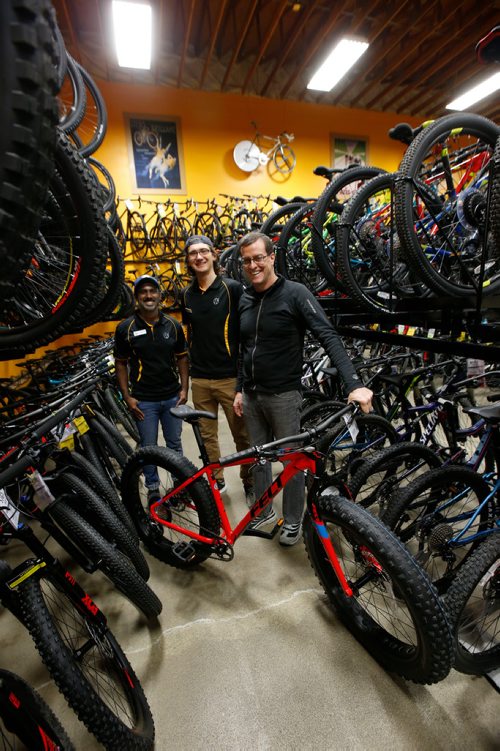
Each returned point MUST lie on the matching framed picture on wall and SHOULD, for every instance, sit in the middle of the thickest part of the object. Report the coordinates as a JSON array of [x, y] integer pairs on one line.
[[348, 150], [155, 154]]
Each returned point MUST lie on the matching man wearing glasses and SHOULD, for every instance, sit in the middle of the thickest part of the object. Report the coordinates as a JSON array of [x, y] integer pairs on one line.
[[210, 312], [274, 316]]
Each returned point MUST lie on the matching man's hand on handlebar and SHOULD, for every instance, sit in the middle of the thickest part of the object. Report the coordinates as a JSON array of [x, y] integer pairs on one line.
[[363, 397]]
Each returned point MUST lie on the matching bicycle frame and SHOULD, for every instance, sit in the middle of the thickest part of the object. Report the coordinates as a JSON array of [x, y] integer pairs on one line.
[[295, 461]]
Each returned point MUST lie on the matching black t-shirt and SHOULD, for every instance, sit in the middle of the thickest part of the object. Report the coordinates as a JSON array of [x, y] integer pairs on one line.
[[213, 327], [151, 352]]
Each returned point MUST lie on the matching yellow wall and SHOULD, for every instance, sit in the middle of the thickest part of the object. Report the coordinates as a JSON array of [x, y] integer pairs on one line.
[[212, 124]]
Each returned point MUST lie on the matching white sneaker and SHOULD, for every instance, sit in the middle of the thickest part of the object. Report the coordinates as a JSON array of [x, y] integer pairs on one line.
[[290, 533]]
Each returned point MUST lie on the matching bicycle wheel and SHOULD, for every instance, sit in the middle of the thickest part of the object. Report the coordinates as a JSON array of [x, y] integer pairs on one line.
[[495, 196], [27, 719], [120, 412], [294, 257], [90, 131], [284, 159], [345, 453], [276, 221], [394, 610], [87, 664], [379, 477], [28, 135], [370, 262], [105, 557], [472, 604], [329, 207], [96, 511], [444, 245], [431, 511], [138, 234], [194, 510]]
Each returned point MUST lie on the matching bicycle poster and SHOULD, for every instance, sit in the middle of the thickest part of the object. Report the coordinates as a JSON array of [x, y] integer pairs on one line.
[[155, 154], [348, 150]]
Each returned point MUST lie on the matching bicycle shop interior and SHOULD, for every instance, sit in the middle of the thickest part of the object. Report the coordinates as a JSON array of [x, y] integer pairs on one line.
[[381, 193]]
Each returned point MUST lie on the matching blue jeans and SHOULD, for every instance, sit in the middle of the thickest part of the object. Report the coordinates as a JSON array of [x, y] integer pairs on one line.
[[156, 413], [269, 417]]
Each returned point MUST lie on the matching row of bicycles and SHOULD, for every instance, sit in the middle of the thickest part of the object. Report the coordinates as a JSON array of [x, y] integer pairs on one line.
[[400, 528]]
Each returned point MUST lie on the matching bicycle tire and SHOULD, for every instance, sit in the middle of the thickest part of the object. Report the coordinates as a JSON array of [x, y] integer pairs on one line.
[[104, 489], [198, 514], [110, 287], [294, 258], [412, 515], [276, 221], [26, 715], [71, 97], [328, 209], [28, 134], [138, 234], [421, 653], [495, 195], [370, 261], [98, 514], [440, 248], [66, 264], [120, 412], [115, 443], [87, 665], [93, 125], [111, 562], [284, 159], [379, 477], [472, 606]]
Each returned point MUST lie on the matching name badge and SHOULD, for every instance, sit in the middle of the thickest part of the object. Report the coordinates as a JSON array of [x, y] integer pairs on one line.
[[139, 333]]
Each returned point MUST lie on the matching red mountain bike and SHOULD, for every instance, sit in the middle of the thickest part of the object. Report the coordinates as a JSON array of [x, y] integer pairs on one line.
[[376, 587]]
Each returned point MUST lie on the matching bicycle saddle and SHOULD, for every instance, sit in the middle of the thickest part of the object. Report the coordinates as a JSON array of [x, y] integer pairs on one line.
[[190, 415], [489, 413], [488, 48]]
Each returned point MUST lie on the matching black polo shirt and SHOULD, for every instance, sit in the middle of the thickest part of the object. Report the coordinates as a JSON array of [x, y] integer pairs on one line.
[[213, 325], [151, 351]]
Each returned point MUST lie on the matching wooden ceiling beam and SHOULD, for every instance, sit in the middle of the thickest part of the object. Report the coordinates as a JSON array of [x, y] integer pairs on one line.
[[463, 32], [187, 34], [436, 100], [269, 35], [298, 31], [315, 46], [214, 36], [75, 47], [371, 40], [236, 50]]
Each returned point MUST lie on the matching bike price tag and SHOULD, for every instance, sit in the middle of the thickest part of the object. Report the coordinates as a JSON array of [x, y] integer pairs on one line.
[[352, 426], [81, 424], [129, 205], [178, 267], [42, 495], [67, 440], [162, 211], [8, 509]]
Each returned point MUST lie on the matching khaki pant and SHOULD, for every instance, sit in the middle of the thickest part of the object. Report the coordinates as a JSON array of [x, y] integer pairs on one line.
[[207, 395]]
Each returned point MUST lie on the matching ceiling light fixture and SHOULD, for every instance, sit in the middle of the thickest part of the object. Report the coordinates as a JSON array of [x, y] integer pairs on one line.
[[133, 31], [475, 94], [336, 65]]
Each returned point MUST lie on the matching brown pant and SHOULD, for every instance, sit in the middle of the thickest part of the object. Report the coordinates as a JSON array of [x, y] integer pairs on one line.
[[207, 395]]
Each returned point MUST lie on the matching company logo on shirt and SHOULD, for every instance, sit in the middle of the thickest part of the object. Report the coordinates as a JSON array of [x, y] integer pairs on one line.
[[166, 335], [216, 300]]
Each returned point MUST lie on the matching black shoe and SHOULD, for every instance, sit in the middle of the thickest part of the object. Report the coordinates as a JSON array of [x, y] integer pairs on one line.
[[221, 486]]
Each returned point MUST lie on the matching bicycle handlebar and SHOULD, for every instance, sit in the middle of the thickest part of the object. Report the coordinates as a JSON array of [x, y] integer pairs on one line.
[[42, 429], [267, 448]]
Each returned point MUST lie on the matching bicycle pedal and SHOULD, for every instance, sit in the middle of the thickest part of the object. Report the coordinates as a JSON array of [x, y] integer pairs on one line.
[[185, 551], [261, 533]]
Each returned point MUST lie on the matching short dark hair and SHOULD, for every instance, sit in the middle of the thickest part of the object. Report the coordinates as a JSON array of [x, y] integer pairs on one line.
[[252, 237]]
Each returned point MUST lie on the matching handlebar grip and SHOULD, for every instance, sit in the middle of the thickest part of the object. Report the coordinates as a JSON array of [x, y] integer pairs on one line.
[[246, 454], [61, 414]]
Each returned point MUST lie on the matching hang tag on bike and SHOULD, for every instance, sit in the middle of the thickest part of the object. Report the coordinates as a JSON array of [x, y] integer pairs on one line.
[[129, 205], [67, 440], [9, 511], [178, 267], [42, 495], [352, 426], [161, 210], [81, 424]]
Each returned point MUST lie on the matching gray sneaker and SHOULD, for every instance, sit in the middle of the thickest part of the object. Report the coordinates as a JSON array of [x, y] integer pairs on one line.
[[290, 533], [268, 517]]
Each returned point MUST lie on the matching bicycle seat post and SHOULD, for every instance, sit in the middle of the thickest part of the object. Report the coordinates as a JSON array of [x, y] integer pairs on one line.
[[199, 440]]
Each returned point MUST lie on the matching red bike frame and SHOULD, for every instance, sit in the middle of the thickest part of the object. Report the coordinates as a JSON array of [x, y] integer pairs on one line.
[[295, 461]]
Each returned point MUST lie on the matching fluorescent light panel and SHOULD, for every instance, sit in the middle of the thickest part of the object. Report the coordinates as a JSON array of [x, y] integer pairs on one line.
[[336, 65], [132, 26], [475, 94]]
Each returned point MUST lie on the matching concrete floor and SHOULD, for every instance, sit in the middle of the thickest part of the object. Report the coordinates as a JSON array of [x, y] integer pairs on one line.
[[248, 655]]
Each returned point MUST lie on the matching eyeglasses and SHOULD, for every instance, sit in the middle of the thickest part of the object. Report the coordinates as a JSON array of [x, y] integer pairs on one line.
[[202, 252], [259, 260]]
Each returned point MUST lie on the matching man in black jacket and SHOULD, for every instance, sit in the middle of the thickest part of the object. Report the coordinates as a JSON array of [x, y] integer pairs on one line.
[[210, 312], [274, 316]]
